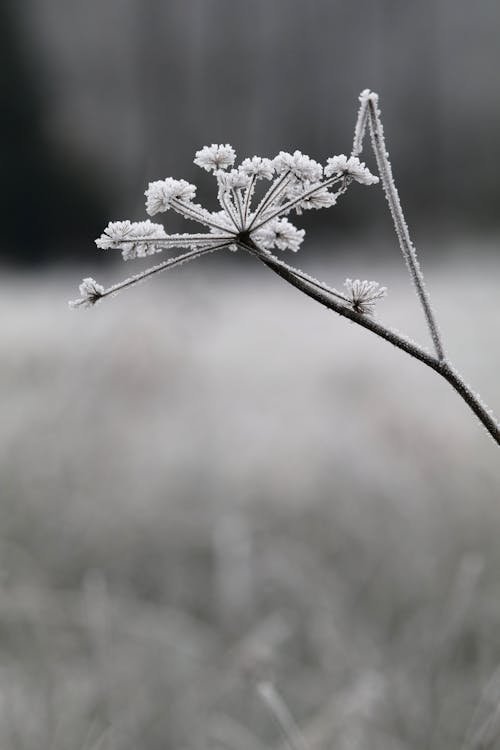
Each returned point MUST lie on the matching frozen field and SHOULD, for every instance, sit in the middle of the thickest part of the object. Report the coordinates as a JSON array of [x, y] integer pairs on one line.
[[209, 481]]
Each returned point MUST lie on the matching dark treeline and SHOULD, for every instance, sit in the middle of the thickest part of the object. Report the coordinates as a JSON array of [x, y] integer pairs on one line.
[[47, 199], [103, 97]]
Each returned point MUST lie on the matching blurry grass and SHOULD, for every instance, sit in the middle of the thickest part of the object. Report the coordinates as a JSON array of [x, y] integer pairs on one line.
[[212, 481]]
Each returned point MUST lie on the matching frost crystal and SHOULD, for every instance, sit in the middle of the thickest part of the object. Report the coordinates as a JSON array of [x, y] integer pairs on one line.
[[258, 167], [297, 184], [214, 157], [133, 238], [115, 233], [236, 179], [280, 234], [352, 166], [161, 194], [90, 293], [363, 295], [319, 196], [298, 164]]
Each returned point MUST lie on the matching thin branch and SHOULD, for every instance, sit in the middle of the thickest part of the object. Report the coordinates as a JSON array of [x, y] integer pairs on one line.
[[227, 206], [400, 225], [195, 213], [138, 277], [270, 195], [287, 207], [296, 271], [414, 350], [172, 240], [237, 199], [248, 197], [360, 127]]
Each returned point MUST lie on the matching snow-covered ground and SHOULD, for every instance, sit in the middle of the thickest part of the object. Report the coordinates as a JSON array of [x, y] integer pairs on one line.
[[211, 478]]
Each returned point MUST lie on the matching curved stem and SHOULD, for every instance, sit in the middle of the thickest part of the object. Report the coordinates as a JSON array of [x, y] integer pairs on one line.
[[440, 366], [400, 225], [472, 399]]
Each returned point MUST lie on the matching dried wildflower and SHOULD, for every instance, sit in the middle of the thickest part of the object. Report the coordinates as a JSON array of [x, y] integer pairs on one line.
[[134, 238], [298, 186], [90, 293], [363, 295], [318, 197], [115, 233], [162, 194], [281, 234], [301, 166], [258, 167], [352, 167], [214, 157], [236, 179]]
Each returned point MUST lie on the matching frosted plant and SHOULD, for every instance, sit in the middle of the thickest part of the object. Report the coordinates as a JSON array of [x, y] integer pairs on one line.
[[90, 292], [363, 295], [297, 183]]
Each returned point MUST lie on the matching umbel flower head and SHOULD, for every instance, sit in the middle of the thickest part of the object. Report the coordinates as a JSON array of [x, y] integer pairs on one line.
[[90, 293], [364, 295], [297, 183]]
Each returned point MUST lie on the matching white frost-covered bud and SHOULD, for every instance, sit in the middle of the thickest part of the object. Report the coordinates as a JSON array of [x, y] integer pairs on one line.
[[258, 167], [127, 236], [160, 194], [363, 295], [215, 157], [352, 166], [300, 165], [233, 180], [281, 234], [90, 293], [115, 233], [321, 198], [141, 244]]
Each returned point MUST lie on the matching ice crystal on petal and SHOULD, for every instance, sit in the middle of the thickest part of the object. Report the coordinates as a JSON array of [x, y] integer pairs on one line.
[[215, 157], [258, 167], [363, 295], [90, 293], [281, 234], [160, 194], [352, 166], [300, 165]]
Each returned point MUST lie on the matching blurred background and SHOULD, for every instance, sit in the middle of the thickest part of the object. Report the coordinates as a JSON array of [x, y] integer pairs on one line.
[[209, 483]]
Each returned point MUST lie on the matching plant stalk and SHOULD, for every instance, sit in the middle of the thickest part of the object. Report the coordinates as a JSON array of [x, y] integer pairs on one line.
[[400, 225], [440, 366]]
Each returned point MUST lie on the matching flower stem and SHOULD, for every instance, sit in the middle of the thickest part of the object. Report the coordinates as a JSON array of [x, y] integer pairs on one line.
[[166, 265], [278, 185], [287, 207], [442, 367], [400, 225]]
